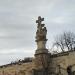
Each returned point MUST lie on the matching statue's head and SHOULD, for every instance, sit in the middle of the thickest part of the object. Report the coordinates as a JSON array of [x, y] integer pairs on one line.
[[39, 17]]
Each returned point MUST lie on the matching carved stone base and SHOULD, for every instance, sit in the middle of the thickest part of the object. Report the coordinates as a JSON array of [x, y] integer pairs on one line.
[[41, 58], [41, 51]]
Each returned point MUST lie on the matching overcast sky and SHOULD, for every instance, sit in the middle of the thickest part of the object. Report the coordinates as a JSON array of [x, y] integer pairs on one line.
[[18, 27]]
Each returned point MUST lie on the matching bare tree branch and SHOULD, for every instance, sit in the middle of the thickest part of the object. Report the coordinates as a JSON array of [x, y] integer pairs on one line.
[[65, 41]]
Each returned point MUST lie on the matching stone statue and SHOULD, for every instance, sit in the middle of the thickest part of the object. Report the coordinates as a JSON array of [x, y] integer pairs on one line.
[[41, 30], [41, 53]]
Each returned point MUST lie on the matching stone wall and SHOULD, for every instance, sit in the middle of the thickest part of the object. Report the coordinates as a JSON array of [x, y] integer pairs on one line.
[[57, 63], [23, 69], [60, 62]]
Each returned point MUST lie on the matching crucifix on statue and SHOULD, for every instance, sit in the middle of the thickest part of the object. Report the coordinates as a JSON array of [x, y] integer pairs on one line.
[[39, 21], [41, 29]]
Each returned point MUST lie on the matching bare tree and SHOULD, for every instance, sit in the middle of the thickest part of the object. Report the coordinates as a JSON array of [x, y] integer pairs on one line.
[[65, 41]]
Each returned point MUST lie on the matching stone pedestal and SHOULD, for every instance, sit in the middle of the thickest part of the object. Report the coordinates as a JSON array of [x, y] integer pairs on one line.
[[41, 53]]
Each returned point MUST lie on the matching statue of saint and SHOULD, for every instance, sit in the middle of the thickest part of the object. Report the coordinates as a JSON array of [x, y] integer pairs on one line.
[[41, 30]]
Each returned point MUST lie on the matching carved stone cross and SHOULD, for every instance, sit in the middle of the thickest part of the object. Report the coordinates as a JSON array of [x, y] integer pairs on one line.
[[39, 20]]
